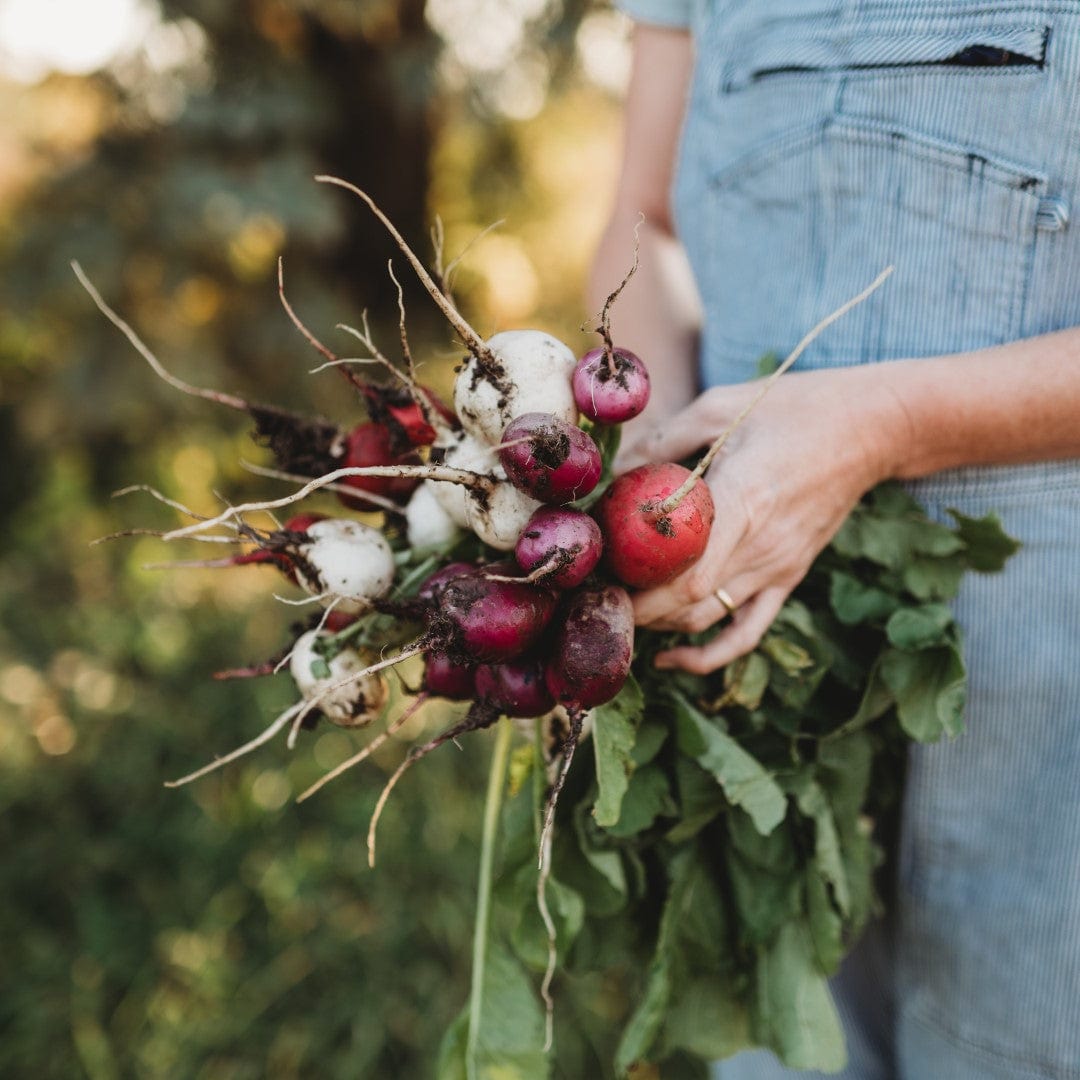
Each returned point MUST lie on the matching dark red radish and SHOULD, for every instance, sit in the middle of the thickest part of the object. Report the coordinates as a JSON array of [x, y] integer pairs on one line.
[[590, 660], [559, 547], [549, 459], [611, 386], [515, 687], [488, 620], [447, 678], [432, 586], [647, 542], [370, 444]]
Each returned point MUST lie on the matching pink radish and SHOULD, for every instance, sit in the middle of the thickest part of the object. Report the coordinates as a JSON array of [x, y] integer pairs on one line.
[[549, 459], [611, 385], [559, 547], [653, 528]]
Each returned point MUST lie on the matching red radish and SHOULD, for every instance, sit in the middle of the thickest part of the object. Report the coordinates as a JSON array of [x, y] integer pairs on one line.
[[372, 444], [410, 419], [647, 542], [446, 678], [549, 459], [559, 547], [515, 687], [488, 621], [591, 657], [432, 587], [611, 386]]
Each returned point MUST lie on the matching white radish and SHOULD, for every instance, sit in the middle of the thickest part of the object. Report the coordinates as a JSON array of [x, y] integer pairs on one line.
[[520, 371], [347, 562], [461, 451], [343, 700], [427, 524], [499, 517]]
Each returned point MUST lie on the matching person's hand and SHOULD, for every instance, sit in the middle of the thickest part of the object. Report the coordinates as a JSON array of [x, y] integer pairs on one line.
[[782, 487]]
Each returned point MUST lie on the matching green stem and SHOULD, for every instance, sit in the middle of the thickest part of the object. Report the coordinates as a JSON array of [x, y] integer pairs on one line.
[[492, 807]]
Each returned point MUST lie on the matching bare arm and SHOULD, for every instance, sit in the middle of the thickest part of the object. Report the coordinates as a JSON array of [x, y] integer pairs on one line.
[[657, 314]]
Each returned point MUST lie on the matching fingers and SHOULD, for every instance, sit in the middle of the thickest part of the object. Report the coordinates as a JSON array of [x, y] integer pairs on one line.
[[747, 627]]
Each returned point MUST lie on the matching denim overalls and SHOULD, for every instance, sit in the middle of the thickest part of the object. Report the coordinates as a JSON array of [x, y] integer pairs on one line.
[[825, 140]]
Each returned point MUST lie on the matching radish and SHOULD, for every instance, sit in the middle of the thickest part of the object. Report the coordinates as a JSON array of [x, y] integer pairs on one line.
[[432, 587], [520, 371], [371, 443], [549, 459], [345, 561], [487, 620], [654, 526], [353, 704], [559, 547], [611, 385], [591, 656], [447, 678], [346, 695], [515, 687], [427, 524], [495, 511]]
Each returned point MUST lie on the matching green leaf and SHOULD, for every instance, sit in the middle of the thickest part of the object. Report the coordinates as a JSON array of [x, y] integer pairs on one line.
[[988, 545], [746, 680], [793, 1012], [856, 603], [707, 1017], [452, 1050], [614, 727], [765, 878], [934, 578], [825, 923], [651, 736], [811, 801], [648, 796], [930, 689], [742, 777], [700, 799], [510, 1045], [920, 627], [789, 657], [530, 938]]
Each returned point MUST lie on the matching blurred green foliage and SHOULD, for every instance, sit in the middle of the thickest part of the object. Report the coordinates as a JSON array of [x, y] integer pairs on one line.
[[220, 931]]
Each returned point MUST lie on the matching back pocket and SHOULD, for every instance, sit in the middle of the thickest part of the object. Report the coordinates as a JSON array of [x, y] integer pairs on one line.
[[797, 226]]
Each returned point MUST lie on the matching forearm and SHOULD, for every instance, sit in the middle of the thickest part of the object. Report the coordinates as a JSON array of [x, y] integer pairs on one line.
[[1009, 404]]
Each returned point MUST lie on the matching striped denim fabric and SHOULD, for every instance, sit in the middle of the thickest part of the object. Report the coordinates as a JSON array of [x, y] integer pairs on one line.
[[825, 140]]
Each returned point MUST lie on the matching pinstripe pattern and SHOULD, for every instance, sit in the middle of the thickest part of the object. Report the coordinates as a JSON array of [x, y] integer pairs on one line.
[[825, 140]]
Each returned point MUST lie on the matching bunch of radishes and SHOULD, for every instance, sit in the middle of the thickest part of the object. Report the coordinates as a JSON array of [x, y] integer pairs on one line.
[[537, 619]]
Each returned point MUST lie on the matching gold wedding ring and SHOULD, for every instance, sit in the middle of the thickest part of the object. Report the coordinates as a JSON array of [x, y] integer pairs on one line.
[[724, 597]]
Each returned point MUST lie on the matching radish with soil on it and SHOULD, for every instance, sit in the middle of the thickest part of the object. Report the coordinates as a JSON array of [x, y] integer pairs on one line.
[[559, 547], [549, 459], [345, 694]]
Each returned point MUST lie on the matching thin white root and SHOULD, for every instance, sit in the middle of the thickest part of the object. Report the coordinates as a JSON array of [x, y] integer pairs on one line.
[[177, 383], [577, 718], [421, 472], [469, 336], [240, 751], [384, 796], [303, 601], [341, 489], [133, 489], [552, 957], [368, 750], [284, 661]]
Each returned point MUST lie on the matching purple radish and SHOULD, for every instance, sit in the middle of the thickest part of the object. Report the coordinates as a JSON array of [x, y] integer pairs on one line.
[[549, 459], [515, 687], [591, 657], [489, 620], [559, 547], [446, 678], [611, 386], [433, 585]]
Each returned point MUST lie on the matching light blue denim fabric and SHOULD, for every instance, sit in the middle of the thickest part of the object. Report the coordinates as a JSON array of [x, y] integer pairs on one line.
[[826, 139]]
